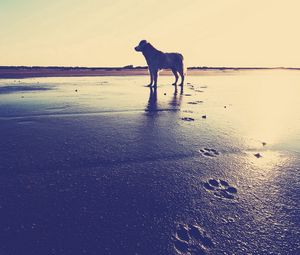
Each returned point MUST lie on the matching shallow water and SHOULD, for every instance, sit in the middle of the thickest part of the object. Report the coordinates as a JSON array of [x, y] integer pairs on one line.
[[104, 165]]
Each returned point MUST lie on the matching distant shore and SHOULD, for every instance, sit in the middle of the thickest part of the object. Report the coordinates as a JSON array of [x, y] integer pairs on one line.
[[19, 72]]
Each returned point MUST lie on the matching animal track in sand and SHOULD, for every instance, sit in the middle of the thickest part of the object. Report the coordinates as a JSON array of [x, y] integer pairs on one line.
[[220, 188], [103, 82], [188, 119], [195, 102], [192, 239], [209, 152]]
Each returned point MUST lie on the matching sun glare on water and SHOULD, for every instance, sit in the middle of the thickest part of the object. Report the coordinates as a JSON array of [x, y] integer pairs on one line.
[[269, 108]]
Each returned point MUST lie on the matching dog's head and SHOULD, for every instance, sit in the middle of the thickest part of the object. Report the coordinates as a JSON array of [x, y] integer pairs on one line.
[[142, 45]]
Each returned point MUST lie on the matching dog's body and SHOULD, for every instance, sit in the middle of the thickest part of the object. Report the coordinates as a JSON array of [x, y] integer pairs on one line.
[[158, 60]]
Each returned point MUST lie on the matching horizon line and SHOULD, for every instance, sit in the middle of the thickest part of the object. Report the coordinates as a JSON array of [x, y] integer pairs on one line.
[[143, 67]]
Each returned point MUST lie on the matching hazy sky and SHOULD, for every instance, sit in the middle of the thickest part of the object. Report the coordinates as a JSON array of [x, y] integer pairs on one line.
[[104, 32]]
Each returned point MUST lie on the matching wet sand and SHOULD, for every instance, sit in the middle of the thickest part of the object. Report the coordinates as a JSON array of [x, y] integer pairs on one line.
[[104, 165]]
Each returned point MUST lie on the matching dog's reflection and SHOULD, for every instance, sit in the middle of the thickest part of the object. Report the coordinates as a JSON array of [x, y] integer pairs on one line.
[[152, 102], [176, 99]]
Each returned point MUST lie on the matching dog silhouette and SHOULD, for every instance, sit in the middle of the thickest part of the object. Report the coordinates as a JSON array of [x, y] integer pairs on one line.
[[158, 60]]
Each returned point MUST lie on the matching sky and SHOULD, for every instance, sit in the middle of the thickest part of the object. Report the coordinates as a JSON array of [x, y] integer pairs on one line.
[[104, 32]]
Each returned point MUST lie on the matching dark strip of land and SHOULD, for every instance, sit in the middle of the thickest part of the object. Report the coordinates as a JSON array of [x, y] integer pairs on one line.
[[12, 72]]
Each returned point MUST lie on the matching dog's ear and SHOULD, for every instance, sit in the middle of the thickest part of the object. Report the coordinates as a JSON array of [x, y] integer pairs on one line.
[[143, 42]]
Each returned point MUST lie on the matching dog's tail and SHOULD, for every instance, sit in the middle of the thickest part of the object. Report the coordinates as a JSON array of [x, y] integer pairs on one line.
[[183, 65]]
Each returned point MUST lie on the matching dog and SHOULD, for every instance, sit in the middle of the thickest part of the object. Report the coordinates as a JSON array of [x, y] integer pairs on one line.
[[158, 60]]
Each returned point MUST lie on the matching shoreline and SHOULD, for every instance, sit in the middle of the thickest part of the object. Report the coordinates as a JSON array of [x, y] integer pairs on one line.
[[20, 72]]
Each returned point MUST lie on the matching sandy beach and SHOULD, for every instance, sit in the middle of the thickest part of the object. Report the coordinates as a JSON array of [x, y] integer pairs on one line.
[[105, 165]]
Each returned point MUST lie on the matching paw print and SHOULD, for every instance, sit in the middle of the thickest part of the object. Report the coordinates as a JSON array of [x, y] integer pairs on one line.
[[192, 239], [195, 102], [209, 152], [220, 188], [188, 119]]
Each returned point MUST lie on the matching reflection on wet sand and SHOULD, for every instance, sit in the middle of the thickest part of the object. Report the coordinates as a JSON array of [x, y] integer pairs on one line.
[[153, 105], [152, 102], [177, 99]]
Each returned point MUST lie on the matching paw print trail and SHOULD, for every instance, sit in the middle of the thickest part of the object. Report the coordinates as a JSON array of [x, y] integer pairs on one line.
[[220, 188], [207, 152], [192, 239]]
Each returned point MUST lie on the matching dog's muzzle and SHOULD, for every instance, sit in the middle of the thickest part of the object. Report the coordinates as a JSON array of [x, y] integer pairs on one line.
[[137, 48]]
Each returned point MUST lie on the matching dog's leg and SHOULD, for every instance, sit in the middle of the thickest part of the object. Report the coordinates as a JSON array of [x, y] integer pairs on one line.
[[176, 76], [181, 72], [151, 78], [155, 74]]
